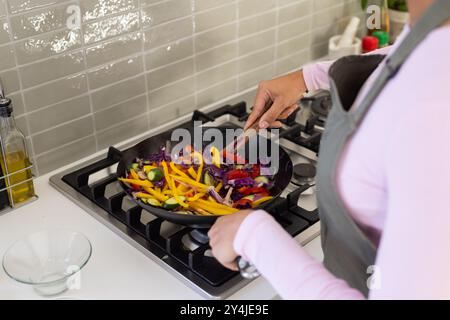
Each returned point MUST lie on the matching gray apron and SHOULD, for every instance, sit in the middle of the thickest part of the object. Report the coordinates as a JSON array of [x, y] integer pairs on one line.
[[348, 252]]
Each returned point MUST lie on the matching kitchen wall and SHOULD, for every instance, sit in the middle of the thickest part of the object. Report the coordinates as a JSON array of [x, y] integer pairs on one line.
[[86, 74]]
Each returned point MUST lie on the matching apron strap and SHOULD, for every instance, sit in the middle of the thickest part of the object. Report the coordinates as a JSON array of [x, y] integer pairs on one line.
[[435, 16]]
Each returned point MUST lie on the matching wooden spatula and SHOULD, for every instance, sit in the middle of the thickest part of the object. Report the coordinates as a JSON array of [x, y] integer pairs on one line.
[[242, 139]]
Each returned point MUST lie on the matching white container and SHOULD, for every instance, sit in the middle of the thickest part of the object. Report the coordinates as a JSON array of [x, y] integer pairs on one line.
[[398, 21], [335, 52], [350, 33]]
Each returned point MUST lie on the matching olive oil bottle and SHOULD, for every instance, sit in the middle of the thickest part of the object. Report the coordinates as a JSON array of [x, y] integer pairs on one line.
[[14, 160]]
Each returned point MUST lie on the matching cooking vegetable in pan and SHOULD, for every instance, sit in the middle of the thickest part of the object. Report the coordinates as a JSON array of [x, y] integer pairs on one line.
[[191, 186]]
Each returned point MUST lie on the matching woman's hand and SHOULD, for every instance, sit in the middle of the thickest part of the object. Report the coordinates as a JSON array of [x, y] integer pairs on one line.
[[222, 235], [285, 92]]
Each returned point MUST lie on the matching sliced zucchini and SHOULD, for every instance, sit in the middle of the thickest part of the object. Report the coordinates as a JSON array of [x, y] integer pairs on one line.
[[155, 175], [262, 179], [154, 202], [135, 166], [172, 203]]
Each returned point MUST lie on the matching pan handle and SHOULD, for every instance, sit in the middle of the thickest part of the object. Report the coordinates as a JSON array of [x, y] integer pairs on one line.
[[247, 270]]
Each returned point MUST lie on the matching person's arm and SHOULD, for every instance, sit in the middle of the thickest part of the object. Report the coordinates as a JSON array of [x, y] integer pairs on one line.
[[316, 74], [280, 259], [284, 92]]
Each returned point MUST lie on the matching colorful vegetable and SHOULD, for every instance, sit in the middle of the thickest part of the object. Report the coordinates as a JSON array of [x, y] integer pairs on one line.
[[193, 185], [209, 181], [212, 192], [237, 183], [261, 180], [173, 203], [155, 175], [172, 186]]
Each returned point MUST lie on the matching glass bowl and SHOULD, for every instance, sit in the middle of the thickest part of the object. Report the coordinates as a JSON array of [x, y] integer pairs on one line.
[[50, 260]]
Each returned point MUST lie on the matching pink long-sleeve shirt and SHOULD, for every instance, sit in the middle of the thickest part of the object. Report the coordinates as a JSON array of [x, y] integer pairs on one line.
[[394, 178]]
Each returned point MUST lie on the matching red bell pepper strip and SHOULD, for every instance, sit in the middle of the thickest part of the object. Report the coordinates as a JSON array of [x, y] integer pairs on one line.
[[256, 171], [237, 174], [243, 203], [246, 191]]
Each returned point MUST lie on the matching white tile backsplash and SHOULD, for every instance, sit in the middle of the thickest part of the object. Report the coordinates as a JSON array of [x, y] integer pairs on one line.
[[133, 64]]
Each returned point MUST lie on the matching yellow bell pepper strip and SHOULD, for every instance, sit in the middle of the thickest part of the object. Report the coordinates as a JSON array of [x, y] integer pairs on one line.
[[192, 172], [199, 157], [147, 169], [157, 195], [215, 157], [183, 188], [172, 185], [177, 171], [191, 182], [200, 210], [142, 195], [261, 201], [196, 197], [134, 174], [210, 207], [138, 182], [219, 187], [217, 205]]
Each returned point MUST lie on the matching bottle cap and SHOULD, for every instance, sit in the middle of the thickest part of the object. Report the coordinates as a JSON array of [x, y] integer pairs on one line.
[[383, 38], [370, 43], [5, 107]]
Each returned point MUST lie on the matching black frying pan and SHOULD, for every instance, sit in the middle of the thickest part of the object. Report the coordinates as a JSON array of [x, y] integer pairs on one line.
[[154, 144]]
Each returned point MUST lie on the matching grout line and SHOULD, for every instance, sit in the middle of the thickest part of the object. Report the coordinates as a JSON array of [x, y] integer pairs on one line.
[[238, 29], [144, 60], [164, 23], [54, 104], [91, 105], [134, 11], [59, 125], [277, 44], [146, 114], [184, 59], [46, 152], [194, 50], [119, 103], [33, 10]]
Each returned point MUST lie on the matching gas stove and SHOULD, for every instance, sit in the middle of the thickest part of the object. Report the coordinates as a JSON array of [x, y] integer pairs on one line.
[[183, 251]]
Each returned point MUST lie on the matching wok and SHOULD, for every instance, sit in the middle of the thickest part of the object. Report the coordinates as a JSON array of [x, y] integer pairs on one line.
[[153, 145]]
